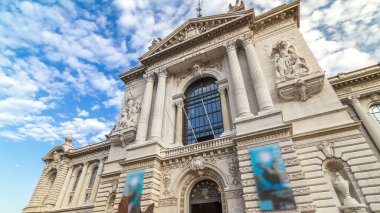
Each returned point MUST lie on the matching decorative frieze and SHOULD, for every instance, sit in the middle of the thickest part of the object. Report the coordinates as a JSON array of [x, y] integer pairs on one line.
[[288, 149], [308, 207], [248, 182], [234, 194], [244, 157], [292, 162], [168, 202], [264, 138], [301, 191], [246, 169], [251, 196], [296, 176]]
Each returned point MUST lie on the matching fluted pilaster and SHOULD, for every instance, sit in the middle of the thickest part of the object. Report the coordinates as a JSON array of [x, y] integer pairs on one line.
[[257, 75], [158, 111], [64, 188], [225, 114], [240, 92], [80, 184], [179, 119], [142, 128]]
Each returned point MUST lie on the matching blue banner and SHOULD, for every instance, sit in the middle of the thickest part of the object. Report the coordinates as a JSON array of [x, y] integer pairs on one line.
[[133, 190], [272, 181]]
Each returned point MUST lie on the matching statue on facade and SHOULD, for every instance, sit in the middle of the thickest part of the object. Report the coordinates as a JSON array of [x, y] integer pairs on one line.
[[350, 204], [288, 63], [130, 113]]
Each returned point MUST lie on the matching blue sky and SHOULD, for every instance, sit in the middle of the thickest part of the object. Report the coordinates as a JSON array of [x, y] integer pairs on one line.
[[59, 62]]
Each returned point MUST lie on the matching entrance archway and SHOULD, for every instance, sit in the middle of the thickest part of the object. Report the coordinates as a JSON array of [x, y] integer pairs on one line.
[[205, 197]]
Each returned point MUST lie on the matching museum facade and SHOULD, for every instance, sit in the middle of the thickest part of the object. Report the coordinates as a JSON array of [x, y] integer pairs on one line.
[[202, 108]]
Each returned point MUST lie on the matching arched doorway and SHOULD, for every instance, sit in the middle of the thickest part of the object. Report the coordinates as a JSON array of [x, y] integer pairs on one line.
[[205, 197]]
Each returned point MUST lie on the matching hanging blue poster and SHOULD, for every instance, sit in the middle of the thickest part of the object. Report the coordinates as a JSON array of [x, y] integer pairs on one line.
[[132, 191], [271, 178]]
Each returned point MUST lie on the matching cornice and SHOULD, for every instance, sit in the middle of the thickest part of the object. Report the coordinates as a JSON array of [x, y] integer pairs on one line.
[[356, 76], [105, 145], [210, 34], [110, 174], [278, 14], [187, 23], [132, 73]]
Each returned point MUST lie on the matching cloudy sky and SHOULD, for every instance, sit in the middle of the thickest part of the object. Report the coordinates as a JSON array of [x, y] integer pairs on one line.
[[59, 62]]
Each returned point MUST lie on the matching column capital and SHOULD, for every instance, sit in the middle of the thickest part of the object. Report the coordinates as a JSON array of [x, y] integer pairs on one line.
[[179, 103], [149, 76], [178, 100], [103, 159], [162, 73], [353, 98], [247, 39], [230, 45], [222, 89]]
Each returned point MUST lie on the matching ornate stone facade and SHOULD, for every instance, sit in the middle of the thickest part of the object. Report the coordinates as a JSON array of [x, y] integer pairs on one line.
[[270, 90]]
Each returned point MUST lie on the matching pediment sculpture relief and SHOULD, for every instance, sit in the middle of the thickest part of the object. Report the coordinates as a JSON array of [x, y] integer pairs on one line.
[[294, 78]]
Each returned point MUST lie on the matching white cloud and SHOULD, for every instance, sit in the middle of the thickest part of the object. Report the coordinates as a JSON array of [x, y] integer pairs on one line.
[[95, 107], [82, 113]]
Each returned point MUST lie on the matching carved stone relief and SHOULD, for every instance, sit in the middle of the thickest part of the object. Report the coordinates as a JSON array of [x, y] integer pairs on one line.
[[327, 149], [288, 64], [166, 181], [233, 169], [129, 113], [295, 80]]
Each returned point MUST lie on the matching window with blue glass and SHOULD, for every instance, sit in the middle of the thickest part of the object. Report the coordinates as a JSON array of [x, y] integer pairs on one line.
[[375, 111], [203, 115]]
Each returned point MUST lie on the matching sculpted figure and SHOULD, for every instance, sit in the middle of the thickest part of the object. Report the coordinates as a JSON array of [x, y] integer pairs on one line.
[[288, 64], [130, 113]]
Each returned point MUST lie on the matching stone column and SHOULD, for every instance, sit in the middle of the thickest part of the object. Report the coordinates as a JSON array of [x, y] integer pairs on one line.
[[97, 180], [242, 103], [158, 111], [369, 123], [225, 116], [142, 128], [257, 75], [179, 120], [64, 188], [80, 184], [58, 183]]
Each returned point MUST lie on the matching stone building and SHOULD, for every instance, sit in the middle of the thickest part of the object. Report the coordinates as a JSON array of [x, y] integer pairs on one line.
[[206, 94]]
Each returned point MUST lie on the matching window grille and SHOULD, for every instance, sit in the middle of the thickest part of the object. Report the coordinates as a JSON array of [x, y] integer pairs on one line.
[[203, 115]]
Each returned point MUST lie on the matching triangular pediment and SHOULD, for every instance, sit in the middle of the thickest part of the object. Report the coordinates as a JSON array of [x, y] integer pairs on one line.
[[193, 28]]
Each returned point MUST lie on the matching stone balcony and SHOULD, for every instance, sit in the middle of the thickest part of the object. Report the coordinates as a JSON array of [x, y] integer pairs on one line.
[[215, 144]]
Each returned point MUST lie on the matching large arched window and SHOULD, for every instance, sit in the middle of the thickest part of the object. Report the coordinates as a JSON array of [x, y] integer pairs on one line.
[[375, 111], [93, 176], [76, 180], [203, 116]]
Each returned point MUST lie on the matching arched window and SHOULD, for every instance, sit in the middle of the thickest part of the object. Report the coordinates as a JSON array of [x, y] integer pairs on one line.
[[203, 116], [375, 111], [93, 176], [51, 178], [76, 180]]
